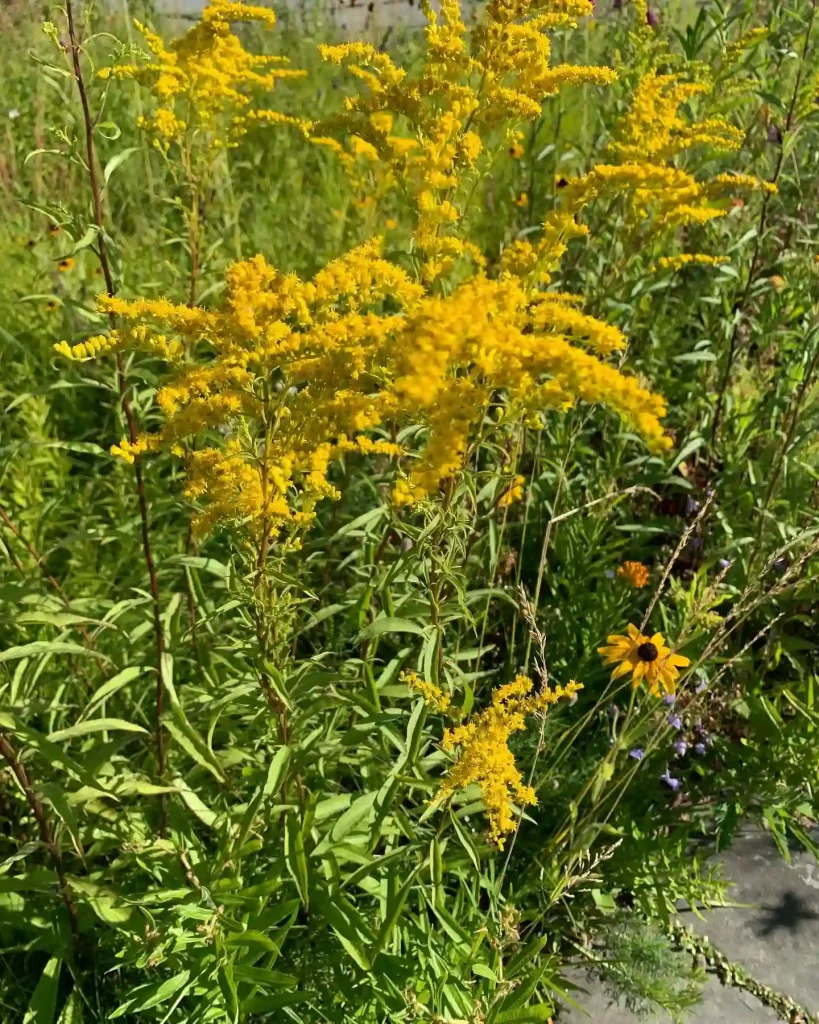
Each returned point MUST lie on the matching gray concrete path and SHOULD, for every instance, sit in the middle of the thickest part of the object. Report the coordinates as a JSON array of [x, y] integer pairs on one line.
[[775, 938]]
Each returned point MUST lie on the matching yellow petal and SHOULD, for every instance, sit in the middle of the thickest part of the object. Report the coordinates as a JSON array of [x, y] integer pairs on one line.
[[622, 669]]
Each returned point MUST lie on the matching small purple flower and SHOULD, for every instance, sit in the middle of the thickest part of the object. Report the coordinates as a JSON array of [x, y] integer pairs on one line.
[[691, 506], [675, 721], [680, 747], [774, 134], [637, 754], [669, 699], [724, 563], [699, 749], [701, 685], [610, 574], [670, 781], [652, 18]]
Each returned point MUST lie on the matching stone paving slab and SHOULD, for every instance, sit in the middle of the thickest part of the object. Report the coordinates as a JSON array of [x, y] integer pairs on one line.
[[775, 937]]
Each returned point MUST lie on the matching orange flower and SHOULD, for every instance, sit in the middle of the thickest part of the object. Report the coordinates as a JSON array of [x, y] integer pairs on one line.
[[65, 265], [634, 573], [522, 200]]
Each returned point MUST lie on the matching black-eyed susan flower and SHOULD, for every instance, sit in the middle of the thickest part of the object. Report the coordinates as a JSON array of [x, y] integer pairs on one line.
[[516, 150], [634, 573], [65, 265], [51, 305], [54, 229], [646, 657]]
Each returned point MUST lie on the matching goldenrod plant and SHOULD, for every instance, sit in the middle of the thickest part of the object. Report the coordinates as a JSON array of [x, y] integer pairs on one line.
[[408, 517]]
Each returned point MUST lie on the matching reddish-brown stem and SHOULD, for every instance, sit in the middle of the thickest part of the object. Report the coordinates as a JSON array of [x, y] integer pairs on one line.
[[102, 252], [46, 835]]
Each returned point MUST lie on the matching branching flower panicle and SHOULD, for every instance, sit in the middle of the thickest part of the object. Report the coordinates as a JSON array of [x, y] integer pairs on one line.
[[299, 372], [203, 81], [484, 756], [658, 194], [429, 128]]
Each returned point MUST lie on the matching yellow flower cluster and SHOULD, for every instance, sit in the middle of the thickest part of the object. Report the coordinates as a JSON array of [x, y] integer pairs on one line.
[[653, 131], [735, 52], [136, 337], [689, 259], [433, 695], [369, 176], [202, 80], [427, 129], [295, 373], [484, 756], [513, 493], [657, 195]]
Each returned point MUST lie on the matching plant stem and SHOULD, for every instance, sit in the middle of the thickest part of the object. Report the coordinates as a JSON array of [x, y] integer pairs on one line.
[[776, 471], [102, 252], [46, 835], [733, 345]]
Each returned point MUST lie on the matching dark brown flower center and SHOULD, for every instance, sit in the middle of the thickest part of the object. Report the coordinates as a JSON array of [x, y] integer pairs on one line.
[[647, 651]]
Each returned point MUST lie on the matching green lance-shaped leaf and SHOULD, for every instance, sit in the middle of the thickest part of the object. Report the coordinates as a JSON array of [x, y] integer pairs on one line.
[[43, 1003], [294, 855]]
